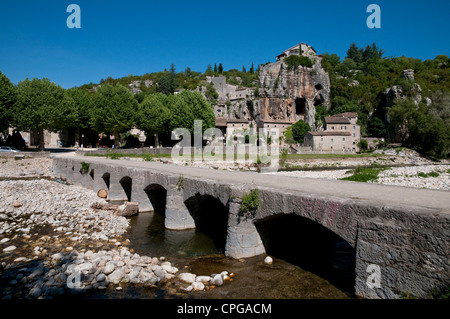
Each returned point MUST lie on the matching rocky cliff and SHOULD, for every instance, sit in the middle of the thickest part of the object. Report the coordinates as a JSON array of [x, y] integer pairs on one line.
[[292, 95]]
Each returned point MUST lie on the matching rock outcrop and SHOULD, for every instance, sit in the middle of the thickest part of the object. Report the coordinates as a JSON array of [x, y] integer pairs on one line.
[[292, 95]]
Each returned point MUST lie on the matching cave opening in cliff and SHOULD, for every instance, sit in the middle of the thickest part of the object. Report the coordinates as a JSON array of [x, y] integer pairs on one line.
[[318, 100], [300, 106], [310, 246]]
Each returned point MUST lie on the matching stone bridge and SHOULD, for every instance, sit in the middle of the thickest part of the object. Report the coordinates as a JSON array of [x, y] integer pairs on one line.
[[399, 237]]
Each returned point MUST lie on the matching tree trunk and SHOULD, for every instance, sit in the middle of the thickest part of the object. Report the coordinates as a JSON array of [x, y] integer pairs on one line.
[[116, 139], [156, 140], [41, 139]]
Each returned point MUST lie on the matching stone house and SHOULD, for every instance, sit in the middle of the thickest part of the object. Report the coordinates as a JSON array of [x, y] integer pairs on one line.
[[341, 134], [270, 127], [299, 49]]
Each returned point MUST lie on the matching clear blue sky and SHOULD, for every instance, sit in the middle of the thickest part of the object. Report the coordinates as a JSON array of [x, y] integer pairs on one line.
[[119, 37]]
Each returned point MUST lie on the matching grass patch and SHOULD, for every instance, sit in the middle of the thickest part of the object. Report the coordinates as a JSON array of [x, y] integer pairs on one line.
[[425, 175], [363, 174]]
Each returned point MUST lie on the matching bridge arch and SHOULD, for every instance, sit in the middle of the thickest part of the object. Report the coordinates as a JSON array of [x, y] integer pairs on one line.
[[311, 246], [126, 182], [157, 194], [210, 216], [106, 177]]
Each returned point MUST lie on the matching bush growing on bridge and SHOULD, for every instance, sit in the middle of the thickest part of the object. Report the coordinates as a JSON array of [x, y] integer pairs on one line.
[[250, 204]]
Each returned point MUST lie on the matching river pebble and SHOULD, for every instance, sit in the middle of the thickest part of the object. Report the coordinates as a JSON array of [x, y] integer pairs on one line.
[[66, 246]]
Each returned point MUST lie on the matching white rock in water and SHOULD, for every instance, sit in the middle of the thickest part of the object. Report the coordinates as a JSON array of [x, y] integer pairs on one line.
[[10, 248], [268, 260], [217, 280], [197, 286], [187, 277], [203, 279], [4, 240]]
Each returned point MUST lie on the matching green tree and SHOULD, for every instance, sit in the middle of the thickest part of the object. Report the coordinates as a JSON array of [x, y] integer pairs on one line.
[[252, 69], [299, 130], [211, 93], [355, 53], [220, 68], [200, 108], [113, 110], [168, 82], [153, 116], [42, 105], [209, 70], [215, 68], [8, 97], [182, 116], [82, 102]]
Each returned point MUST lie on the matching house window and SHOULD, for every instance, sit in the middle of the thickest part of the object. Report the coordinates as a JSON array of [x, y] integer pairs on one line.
[[343, 127], [268, 125], [242, 125], [332, 127], [354, 127], [354, 135], [233, 125], [343, 139], [275, 125], [331, 140], [321, 139]]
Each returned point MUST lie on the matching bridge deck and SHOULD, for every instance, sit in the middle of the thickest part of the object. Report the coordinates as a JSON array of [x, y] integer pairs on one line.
[[384, 194]]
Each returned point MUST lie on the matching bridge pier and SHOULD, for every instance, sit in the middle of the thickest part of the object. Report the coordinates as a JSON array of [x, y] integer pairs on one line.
[[243, 239], [177, 215]]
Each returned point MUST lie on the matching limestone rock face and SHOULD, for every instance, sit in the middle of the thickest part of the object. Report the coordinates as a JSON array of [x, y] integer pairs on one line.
[[292, 95]]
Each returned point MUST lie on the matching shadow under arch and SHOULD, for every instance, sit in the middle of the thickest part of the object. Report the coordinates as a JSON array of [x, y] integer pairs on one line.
[[157, 195], [210, 217], [311, 246], [126, 183], [107, 179]]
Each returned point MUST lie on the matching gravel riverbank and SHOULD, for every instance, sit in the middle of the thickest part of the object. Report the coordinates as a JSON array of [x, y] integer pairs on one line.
[[54, 244]]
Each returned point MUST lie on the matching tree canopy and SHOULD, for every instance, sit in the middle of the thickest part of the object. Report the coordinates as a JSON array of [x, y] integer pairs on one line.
[[8, 97], [42, 105], [113, 110]]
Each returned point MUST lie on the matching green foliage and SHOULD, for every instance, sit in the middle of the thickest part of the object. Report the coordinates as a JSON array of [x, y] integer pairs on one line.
[[8, 97], [363, 174], [293, 61], [84, 167], [425, 175], [250, 204], [299, 130], [211, 93], [153, 115], [113, 110], [42, 105], [168, 82], [363, 145], [428, 134], [82, 102]]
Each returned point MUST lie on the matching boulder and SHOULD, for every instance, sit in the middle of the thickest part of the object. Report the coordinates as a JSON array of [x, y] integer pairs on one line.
[[117, 275], [128, 209], [187, 277]]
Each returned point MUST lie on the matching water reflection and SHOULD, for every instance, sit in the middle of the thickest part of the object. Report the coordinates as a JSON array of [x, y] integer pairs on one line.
[[149, 236]]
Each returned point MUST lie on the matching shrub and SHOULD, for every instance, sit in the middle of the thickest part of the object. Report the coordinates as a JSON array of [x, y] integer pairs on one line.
[[363, 174], [293, 61], [250, 204]]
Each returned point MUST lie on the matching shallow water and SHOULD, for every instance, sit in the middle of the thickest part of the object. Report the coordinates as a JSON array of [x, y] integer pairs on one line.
[[196, 253]]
